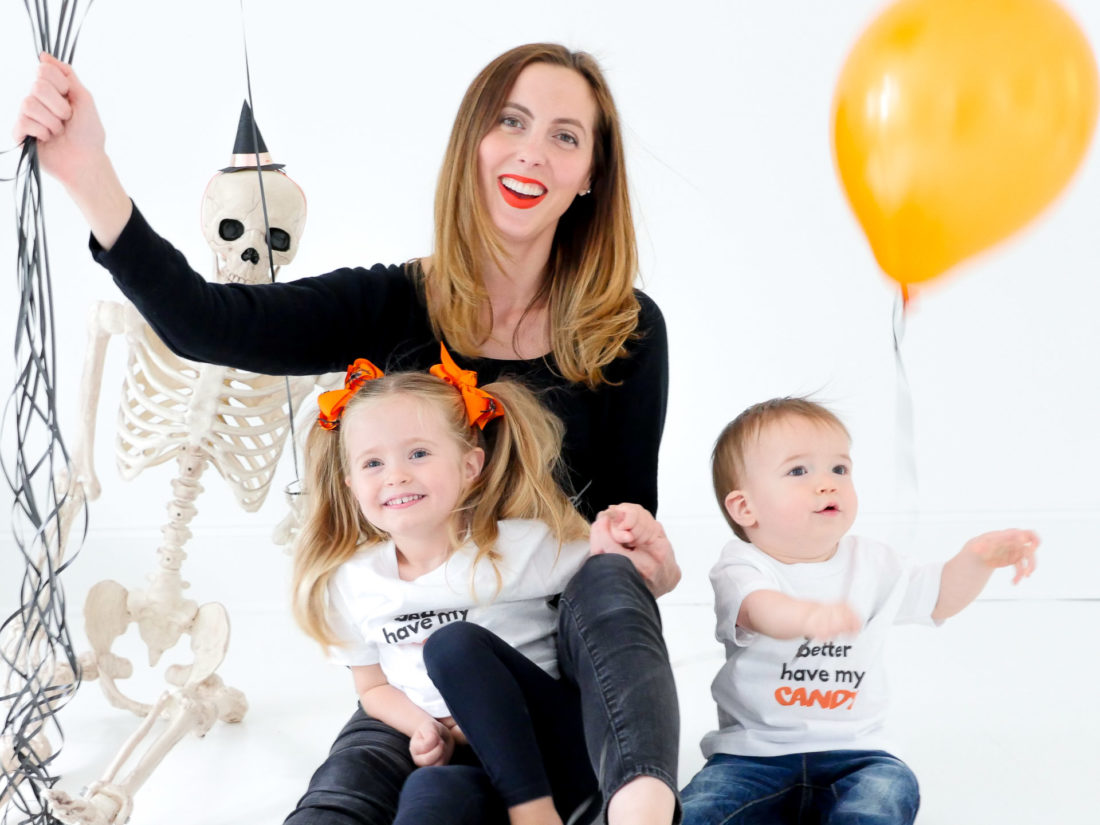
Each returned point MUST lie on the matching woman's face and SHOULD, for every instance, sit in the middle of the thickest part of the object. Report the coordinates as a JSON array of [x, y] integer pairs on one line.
[[537, 157]]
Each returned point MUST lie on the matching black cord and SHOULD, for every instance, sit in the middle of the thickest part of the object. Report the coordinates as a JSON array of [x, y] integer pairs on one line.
[[294, 486], [39, 671]]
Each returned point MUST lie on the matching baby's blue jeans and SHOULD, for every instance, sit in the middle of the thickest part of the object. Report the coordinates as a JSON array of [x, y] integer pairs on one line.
[[834, 787]]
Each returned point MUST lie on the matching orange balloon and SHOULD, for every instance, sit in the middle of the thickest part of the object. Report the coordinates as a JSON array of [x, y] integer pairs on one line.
[[955, 122]]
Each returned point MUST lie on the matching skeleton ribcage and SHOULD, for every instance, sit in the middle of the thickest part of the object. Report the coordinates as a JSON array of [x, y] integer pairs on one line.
[[239, 420]]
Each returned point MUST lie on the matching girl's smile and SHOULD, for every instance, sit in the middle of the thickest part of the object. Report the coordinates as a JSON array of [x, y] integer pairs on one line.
[[402, 501], [407, 471]]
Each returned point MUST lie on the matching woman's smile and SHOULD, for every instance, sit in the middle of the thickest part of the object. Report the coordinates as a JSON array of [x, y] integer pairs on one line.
[[521, 192]]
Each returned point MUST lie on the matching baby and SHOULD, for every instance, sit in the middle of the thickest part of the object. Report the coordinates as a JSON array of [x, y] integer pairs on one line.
[[803, 610]]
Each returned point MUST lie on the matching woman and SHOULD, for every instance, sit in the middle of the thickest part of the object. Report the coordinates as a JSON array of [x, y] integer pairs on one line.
[[531, 277]]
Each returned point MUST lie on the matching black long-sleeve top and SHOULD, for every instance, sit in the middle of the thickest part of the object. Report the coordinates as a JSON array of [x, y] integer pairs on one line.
[[321, 324]]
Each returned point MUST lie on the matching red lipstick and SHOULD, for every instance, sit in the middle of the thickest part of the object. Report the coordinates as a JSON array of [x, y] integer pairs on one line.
[[516, 199]]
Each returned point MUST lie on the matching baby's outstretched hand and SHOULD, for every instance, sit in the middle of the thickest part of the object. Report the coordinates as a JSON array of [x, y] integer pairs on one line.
[[1006, 548], [827, 621], [431, 744]]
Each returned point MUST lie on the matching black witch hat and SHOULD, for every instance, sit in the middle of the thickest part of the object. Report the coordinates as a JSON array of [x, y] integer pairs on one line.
[[249, 149]]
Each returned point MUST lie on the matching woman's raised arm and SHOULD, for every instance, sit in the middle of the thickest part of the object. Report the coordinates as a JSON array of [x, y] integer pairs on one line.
[[61, 115]]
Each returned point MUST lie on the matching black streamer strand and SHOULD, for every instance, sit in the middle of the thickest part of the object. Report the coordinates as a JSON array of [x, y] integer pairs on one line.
[[39, 672], [297, 483]]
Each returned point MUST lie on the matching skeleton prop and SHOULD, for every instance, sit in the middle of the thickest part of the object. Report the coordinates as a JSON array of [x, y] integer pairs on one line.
[[199, 415]]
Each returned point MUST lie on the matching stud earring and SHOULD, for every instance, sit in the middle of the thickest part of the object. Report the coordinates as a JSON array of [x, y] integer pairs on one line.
[[586, 191]]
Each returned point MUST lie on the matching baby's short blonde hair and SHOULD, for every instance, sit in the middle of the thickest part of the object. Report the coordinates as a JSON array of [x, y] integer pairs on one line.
[[727, 461]]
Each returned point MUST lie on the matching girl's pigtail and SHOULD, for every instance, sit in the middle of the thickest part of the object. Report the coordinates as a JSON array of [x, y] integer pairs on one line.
[[331, 533], [519, 479]]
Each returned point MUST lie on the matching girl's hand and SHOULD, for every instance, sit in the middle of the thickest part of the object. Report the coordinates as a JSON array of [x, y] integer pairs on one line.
[[431, 744], [629, 530], [630, 525], [61, 115], [1006, 548], [456, 732]]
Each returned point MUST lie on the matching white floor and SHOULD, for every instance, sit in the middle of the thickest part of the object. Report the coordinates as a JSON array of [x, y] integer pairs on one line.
[[997, 712]]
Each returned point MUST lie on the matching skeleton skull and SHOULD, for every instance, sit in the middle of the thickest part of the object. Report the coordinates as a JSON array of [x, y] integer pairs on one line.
[[233, 223]]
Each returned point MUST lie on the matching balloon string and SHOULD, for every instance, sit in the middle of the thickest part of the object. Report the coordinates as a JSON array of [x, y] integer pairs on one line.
[[296, 484], [905, 450]]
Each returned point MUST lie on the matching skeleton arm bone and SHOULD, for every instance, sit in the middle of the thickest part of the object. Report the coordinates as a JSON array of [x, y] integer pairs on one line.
[[104, 320]]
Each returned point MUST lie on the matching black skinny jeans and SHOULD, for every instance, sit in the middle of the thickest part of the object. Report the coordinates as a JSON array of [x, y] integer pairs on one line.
[[609, 646]]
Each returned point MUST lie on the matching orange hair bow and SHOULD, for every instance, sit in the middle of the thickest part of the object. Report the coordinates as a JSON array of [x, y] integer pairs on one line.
[[481, 408], [332, 403]]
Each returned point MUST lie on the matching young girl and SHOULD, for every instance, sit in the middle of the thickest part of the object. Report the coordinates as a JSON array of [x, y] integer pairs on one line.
[[434, 512]]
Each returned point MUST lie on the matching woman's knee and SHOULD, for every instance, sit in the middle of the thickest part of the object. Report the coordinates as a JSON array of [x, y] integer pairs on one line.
[[606, 585], [607, 607], [601, 571]]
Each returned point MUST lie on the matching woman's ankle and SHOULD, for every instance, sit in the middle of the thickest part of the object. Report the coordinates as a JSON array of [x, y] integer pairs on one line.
[[644, 800]]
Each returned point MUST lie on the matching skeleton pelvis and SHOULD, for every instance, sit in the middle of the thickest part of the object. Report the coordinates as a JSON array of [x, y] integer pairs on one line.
[[162, 617]]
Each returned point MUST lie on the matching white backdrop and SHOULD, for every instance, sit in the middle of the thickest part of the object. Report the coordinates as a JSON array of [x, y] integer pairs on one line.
[[747, 243]]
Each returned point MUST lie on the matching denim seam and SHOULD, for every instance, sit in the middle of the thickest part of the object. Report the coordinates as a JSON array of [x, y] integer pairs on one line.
[[613, 715], [805, 802], [656, 773], [759, 801]]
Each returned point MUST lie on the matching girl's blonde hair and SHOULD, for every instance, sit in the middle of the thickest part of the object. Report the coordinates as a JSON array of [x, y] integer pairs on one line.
[[589, 282], [518, 480]]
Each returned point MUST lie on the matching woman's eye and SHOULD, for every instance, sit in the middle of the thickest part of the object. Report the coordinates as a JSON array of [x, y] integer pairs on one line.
[[796, 471], [510, 120], [565, 137]]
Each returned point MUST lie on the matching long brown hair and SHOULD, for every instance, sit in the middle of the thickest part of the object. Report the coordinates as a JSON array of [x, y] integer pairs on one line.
[[594, 258], [518, 480]]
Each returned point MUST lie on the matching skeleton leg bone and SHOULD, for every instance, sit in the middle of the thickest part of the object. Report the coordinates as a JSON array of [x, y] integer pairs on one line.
[[109, 802]]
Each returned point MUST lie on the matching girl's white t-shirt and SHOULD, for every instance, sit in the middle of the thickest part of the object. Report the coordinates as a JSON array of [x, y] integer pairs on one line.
[[779, 696], [384, 620]]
